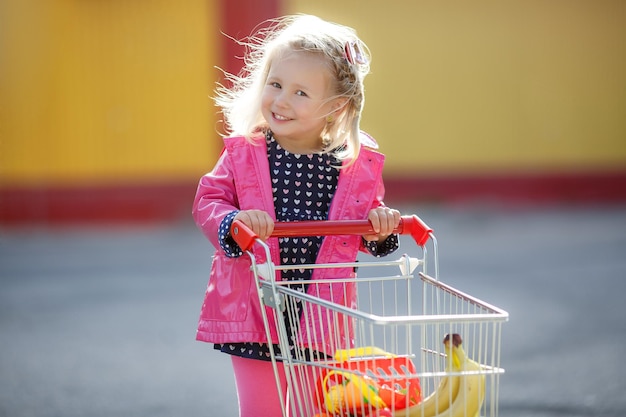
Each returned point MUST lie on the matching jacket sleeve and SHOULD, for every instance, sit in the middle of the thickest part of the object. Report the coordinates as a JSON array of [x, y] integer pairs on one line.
[[215, 198]]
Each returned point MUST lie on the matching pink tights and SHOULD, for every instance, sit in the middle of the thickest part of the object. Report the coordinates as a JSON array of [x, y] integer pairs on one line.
[[257, 391]]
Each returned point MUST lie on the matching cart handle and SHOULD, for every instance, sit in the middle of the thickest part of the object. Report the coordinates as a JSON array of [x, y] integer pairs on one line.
[[409, 225]]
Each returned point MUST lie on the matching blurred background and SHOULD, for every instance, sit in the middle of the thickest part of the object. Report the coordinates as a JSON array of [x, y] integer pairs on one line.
[[105, 108], [504, 126]]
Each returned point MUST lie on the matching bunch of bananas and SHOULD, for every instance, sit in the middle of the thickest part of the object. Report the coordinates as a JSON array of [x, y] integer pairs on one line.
[[459, 395]]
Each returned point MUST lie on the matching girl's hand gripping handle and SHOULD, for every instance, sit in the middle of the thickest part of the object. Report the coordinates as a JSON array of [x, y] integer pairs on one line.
[[409, 225]]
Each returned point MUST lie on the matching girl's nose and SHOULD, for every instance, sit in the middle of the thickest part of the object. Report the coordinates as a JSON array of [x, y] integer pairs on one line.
[[281, 100]]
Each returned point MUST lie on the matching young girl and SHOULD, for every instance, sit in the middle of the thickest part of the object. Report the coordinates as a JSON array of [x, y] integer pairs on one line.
[[294, 152]]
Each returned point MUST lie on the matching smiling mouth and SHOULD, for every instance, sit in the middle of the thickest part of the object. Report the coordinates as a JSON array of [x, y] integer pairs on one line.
[[280, 117]]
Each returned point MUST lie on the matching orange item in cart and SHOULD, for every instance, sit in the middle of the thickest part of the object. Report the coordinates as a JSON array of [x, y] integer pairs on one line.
[[385, 381]]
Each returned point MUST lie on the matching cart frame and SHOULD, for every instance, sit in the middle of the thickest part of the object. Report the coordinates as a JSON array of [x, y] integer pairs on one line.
[[444, 310]]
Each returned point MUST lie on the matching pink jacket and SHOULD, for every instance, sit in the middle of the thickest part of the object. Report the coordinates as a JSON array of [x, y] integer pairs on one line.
[[241, 180]]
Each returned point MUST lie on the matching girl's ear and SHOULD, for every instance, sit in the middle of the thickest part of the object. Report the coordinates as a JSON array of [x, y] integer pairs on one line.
[[339, 105]]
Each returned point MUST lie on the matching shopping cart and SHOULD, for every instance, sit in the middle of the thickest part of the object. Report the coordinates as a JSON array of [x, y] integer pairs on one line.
[[400, 350]]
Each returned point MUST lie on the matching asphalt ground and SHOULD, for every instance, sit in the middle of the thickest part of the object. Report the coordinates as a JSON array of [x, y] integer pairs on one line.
[[100, 321]]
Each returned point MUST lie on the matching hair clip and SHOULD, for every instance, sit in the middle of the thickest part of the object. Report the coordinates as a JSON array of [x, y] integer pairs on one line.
[[353, 53]]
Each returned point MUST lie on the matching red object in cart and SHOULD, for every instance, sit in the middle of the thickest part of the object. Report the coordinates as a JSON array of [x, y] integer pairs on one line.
[[393, 391]]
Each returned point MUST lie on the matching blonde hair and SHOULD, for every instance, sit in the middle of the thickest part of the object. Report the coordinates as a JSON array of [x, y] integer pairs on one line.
[[241, 102]]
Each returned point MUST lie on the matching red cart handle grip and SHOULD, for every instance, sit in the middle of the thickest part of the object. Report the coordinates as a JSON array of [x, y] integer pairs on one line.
[[409, 225]]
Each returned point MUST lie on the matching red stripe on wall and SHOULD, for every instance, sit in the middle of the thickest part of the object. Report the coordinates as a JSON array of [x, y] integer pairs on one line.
[[239, 18], [142, 203], [528, 188], [137, 203]]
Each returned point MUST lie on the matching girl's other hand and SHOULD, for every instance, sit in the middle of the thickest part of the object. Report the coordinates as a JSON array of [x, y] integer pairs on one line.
[[258, 221], [384, 220]]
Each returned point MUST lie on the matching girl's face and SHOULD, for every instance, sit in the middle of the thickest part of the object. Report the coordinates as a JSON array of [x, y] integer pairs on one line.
[[295, 101]]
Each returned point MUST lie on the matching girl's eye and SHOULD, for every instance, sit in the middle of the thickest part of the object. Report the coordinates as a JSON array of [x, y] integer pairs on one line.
[[301, 93], [275, 84]]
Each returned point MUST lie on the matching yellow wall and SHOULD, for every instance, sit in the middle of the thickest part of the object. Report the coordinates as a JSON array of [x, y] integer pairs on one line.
[[493, 85], [105, 90], [119, 91]]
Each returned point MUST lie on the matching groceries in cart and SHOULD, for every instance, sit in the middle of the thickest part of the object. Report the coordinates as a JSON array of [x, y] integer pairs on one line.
[[367, 379], [388, 385], [461, 393]]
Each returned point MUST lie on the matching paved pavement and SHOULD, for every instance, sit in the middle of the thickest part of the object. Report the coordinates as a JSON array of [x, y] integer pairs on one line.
[[101, 321]]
